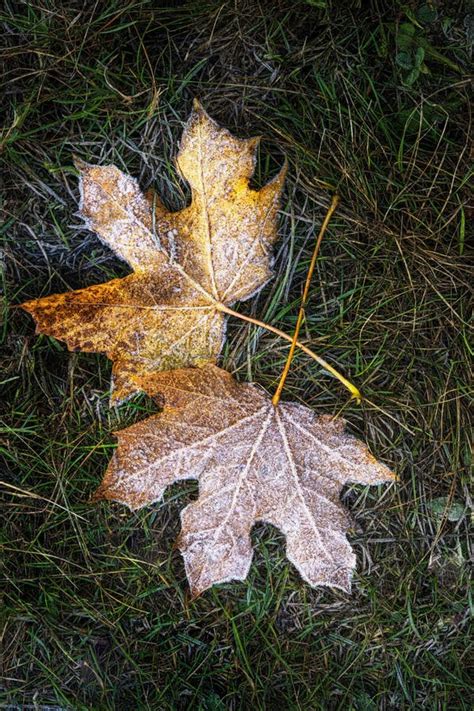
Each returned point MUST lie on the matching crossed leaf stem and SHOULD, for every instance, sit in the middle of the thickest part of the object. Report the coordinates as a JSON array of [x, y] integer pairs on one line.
[[294, 339]]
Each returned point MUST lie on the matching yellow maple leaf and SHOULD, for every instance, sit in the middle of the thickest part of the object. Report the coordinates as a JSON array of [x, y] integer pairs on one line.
[[254, 462], [187, 265]]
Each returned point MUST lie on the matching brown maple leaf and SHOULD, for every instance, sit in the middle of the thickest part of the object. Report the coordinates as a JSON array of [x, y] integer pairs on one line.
[[186, 264], [254, 462]]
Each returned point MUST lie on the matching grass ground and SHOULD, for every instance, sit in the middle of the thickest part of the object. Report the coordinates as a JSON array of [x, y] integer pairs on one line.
[[95, 607]]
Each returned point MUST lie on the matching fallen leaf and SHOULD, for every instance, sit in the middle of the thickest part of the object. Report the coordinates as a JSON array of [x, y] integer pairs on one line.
[[254, 462], [215, 251]]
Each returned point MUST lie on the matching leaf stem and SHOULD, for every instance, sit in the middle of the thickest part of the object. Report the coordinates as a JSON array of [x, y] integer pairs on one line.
[[352, 388], [304, 298]]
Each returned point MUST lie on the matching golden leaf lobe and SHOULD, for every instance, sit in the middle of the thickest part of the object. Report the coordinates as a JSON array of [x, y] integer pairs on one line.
[[218, 249]]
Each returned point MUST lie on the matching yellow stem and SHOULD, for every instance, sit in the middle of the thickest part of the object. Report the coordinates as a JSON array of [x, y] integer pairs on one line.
[[299, 321], [352, 388]]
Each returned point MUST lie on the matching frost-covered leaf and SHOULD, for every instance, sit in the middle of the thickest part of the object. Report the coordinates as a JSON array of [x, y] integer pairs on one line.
[[443, 508], [254, 462], [217, 250]]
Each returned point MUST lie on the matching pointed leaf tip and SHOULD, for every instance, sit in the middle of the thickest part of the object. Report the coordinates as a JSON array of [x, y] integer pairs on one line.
[[79, 163]]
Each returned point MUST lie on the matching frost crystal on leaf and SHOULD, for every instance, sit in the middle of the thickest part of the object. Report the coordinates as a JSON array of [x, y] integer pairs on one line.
[[254, 462]]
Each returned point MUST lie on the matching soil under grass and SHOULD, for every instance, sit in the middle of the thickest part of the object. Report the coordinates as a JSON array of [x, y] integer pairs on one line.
[[96, 612]]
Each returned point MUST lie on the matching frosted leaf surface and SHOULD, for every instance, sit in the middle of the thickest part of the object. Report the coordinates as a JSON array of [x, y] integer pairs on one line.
[[254, 462], [218, 249]]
